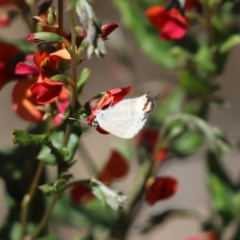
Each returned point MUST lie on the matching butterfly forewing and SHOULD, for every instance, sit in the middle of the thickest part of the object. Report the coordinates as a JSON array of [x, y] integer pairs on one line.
[[124, 119]]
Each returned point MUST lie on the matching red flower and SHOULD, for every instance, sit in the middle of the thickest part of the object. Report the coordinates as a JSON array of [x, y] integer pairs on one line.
[[62, 106], [110, 98], [24, 102], [108, 29], [8, 61], [148, 138], [171, 24], [160, 188], [193, 4], [115, 168], [161, 155], [47, 91], [47, 64]]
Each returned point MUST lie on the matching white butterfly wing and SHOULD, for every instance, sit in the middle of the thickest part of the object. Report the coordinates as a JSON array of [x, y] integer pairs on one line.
[[125, 119]]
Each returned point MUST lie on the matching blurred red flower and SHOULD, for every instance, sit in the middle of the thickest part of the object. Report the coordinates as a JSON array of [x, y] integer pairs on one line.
[[148, 138], [24, 102], [193, 4], [9, 58], [171, 24], [107, 29], [110, 98], [115, 168], [160, 188]]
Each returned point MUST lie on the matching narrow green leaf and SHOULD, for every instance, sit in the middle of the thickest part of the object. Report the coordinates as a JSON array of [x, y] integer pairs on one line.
[[24, 138], [229, 43], [82, 79], [193, 85], [215, 167]]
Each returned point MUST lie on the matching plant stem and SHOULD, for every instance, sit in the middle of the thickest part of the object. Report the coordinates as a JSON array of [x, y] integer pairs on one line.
[[74, 78], [27, 199], [60, 20], [69, 125], [45, 216]]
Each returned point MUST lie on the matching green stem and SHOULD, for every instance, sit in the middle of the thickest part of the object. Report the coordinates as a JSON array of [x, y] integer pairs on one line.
[[45, 216], [69, 125], [74, 78], [60, 20], [27, 199]]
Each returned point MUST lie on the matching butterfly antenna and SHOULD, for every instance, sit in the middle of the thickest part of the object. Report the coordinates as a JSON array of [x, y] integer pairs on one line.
[[75, 119]]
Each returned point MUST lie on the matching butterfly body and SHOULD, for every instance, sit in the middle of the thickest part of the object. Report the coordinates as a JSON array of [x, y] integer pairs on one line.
[[126, 118]]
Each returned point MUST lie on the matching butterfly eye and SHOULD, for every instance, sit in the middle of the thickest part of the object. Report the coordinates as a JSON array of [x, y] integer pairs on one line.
[[95, 123]]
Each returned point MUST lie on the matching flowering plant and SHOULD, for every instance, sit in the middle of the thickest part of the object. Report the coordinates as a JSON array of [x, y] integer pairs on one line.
[[49, 83]]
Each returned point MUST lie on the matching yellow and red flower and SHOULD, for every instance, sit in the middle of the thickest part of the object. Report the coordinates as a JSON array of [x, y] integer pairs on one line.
[[46, 66], [171, 24], [110, 98], [160, 188], [24, 103]]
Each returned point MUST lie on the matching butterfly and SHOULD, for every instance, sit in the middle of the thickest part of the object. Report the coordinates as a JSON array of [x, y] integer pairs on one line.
[[125, 118]]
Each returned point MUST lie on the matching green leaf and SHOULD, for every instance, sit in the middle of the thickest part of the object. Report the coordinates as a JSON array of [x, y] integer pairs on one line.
[[24, 138], [170, 105], [146, 35], [82, 79], [48, 188], [47, 37], [229, 43], [107, 196], [187, 143], [193, 85], [46, 156], [57, 139], [83, 215], [217, 141], [203, 59], [215, 167]]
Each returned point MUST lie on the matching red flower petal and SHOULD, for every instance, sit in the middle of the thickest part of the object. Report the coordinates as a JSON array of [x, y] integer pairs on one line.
[[24, 68], [24, 102], [7, 62], [161, 155], [47, 91], [115, 168], [111, 97], [156, 15], [108, 29], [173, 30], [160, 188], [148, 138], [172, 24], [193, 4], [46, 63], [81, 194]]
